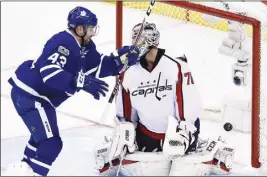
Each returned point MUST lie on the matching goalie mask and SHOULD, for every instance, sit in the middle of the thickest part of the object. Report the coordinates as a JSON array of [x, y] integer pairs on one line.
[[148, 38]]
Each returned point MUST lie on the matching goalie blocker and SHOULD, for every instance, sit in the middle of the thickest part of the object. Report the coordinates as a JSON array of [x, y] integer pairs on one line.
[[213, 157]]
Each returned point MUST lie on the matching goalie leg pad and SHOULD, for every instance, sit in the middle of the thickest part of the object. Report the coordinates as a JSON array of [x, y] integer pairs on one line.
[[145, 164], [215, 158], [110, 168], [101, 152], [223, 160], [112, 147], [124, 136]]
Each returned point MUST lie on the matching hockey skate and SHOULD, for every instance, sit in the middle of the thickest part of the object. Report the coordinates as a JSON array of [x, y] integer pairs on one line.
[[19, 169]]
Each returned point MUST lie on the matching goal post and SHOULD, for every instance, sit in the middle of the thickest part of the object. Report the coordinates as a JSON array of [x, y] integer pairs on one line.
[[119, 23], [189, 13]]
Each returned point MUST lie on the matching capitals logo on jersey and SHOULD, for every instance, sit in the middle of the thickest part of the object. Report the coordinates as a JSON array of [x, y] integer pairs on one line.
[[154, 88]]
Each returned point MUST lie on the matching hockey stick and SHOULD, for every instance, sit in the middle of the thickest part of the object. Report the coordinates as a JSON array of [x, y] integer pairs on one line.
[[118, 81], [121, 159]]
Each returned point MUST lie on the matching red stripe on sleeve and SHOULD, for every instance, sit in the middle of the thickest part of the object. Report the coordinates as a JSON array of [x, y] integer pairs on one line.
[[126, 101], [179, 93], [127, 107]]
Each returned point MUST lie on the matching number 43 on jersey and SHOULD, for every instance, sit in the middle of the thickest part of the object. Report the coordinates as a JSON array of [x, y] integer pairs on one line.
[[58, 59]]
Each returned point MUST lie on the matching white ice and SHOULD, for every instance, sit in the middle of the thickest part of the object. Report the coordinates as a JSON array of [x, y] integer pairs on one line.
[[26, 27]]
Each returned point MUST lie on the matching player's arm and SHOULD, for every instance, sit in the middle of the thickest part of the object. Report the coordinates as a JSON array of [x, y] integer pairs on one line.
[[188, 101], [118, 60], [187, 105], [124, 109], [113, 64], [54, 74]]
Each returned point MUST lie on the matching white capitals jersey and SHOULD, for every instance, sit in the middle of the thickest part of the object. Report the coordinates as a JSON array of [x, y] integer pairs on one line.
[[150, 97]]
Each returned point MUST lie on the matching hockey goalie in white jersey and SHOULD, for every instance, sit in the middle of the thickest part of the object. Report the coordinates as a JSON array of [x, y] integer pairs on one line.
[[158, 106]]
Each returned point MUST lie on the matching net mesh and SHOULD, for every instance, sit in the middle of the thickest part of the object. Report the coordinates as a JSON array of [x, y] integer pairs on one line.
[[187, 16]]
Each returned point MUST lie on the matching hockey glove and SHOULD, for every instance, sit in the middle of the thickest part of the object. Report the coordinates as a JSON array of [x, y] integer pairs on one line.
[[91, 85], [178, 138], [126, 55]]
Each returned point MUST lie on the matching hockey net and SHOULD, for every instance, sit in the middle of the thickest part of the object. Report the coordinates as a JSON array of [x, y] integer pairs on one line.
[[183, 25]]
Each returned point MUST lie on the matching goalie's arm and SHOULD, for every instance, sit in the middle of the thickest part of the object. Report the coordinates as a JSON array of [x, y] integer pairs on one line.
[[188, 101], [124, 109]]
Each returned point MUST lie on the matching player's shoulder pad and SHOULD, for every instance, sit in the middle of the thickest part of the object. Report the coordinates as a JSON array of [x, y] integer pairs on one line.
[[63, 42], [64, 38], [182, 58], [177, 59]]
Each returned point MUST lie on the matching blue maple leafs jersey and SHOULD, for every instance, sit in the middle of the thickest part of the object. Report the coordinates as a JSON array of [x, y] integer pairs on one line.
[[52, 76]]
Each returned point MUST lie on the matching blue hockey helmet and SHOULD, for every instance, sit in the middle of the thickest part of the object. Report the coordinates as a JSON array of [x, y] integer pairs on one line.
[[81, 16]]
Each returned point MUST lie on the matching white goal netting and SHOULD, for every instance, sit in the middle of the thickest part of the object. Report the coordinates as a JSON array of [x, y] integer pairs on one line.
[[186, 31]]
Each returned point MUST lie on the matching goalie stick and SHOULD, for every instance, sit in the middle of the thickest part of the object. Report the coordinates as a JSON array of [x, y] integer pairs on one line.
[[118, 81]]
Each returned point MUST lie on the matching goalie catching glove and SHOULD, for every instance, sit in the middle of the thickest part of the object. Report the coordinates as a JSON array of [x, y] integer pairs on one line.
[[178, 138], [112, 148]]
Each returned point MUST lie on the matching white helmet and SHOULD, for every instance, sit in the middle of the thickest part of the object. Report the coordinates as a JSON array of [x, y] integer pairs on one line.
[[149, 37]]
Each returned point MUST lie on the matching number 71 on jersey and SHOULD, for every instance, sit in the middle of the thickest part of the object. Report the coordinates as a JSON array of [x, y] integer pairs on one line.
[[189, 77]]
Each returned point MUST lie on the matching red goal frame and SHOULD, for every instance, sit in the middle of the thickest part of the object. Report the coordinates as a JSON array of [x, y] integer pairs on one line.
[[256, 60]]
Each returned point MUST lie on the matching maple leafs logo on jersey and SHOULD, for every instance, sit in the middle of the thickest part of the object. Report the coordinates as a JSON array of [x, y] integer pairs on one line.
[[84, 52], [83, 13]]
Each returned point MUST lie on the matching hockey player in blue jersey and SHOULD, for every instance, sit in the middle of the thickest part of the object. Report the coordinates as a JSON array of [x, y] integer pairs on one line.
[[69, 62]]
